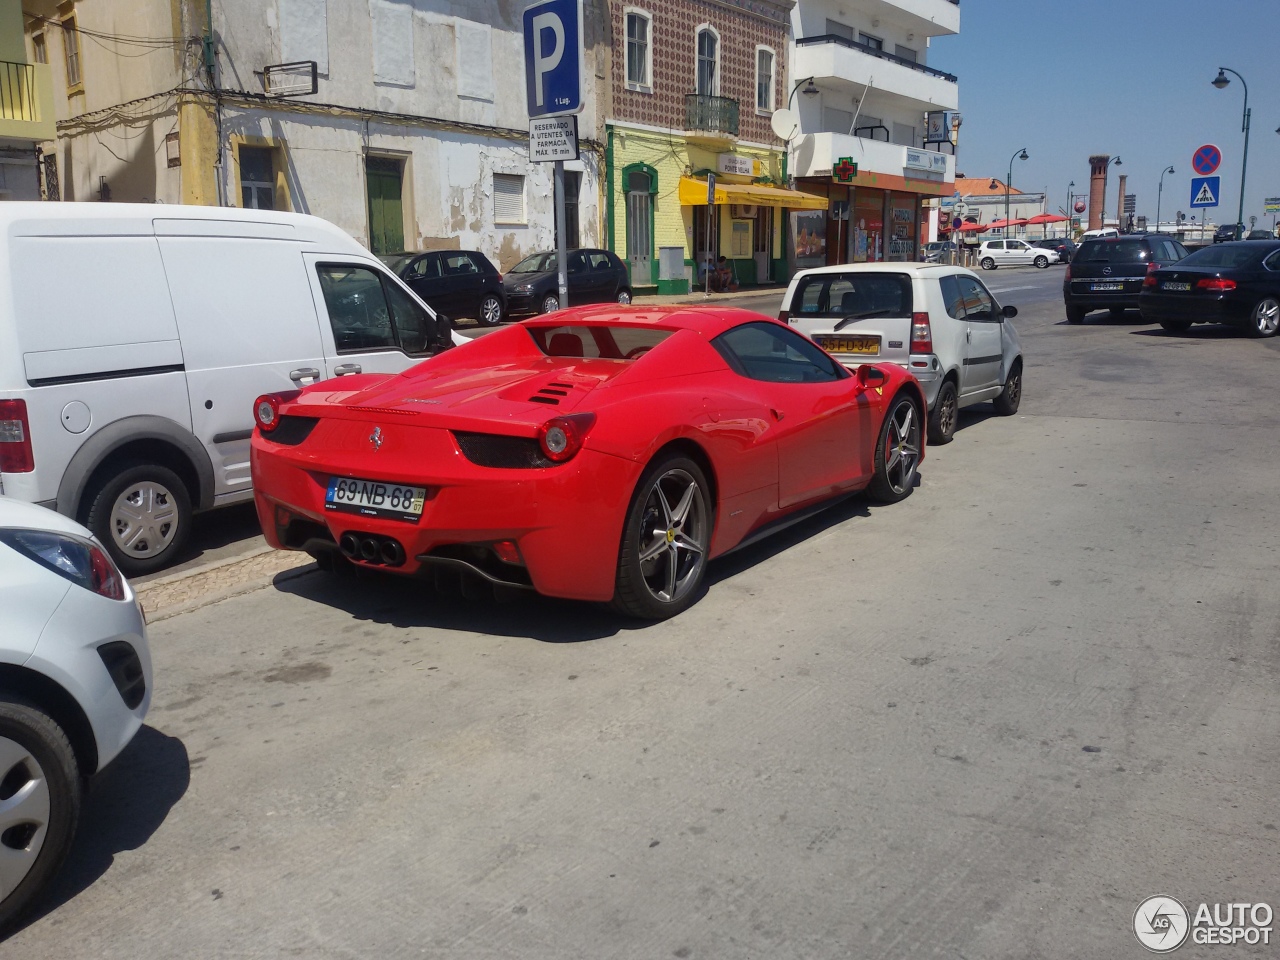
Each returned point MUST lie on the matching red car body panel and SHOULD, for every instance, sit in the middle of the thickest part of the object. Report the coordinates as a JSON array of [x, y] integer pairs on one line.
[[770, 448]]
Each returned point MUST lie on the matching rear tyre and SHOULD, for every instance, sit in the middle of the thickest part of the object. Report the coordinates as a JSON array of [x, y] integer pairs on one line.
[[1176, 326], [1042, 262], [945, 413], [40, 793], [1076, 314], [988, 263], [550, 303], [1011, 396], [1264, 321], [142, 515], [490, 311], [663, 557], [897, 452], [1117, 313]]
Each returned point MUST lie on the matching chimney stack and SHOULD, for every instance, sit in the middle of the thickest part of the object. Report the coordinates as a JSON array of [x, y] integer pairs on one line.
[[1120, 221], [1097, 188]]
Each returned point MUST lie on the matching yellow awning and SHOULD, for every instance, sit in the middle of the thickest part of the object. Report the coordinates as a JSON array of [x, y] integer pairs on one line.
[[693, 193]]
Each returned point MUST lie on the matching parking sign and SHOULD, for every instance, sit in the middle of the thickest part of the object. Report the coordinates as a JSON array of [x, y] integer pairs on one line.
[[553, 57]]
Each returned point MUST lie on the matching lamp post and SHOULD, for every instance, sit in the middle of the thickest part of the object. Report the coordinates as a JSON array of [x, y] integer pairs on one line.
[[1017, 155], [1102, 215], [1071, 216], [1158, 194], [809, 91], [1220, 81]]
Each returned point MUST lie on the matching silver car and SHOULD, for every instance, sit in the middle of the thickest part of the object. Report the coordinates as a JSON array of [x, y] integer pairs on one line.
[[939, 322]]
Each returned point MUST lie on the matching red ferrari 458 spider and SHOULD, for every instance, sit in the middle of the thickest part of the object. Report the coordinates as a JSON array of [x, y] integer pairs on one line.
[[598, 453]]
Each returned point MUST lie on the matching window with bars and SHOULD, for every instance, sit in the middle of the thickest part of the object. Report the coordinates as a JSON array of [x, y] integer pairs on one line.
[[639, 62], [508, 198], [71, 50], [764, 79]]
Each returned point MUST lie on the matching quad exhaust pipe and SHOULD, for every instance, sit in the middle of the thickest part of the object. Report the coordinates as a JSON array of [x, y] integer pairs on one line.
[[371, 549]]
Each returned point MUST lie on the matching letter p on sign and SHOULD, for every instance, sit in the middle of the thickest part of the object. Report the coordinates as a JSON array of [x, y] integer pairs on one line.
[[553, 57]]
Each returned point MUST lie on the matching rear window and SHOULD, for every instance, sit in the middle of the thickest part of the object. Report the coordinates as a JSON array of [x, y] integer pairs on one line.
[[1113, 251], [860, 295], [1221, 256], [592, 342]]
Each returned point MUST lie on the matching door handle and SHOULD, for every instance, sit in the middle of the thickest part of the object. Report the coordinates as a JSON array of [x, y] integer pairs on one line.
[[304, 373], [342, 369], [968, 335]]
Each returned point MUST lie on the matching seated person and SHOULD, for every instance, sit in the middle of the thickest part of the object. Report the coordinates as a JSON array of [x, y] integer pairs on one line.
[[724, 280]]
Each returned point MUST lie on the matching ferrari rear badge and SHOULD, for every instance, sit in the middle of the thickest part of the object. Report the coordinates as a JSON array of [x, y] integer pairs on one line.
[[375, 438]]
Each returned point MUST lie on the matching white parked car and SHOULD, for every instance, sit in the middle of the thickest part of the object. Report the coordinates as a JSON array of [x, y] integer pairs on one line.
[[135, 337], [75, 684], [1003, 253], [938, 322]]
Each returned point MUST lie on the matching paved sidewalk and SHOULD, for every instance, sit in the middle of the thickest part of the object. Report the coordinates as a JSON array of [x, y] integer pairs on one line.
[[697, 297]]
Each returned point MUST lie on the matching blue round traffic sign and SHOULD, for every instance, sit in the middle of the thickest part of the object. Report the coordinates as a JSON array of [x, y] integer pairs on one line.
[[1206, 159]]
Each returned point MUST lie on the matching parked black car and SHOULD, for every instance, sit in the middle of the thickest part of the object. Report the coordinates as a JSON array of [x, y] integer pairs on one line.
[[595, 276], [1233, 283], [1260, 235], [1107, 273], [1228, 232], [458, 283], [1065, 246]]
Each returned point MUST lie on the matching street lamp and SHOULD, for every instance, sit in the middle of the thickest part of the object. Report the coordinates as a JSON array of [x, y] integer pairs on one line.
[[1017, 155], [810, 90], [1071, 215], [1102, 214], [1220, 81], [1159, 192]]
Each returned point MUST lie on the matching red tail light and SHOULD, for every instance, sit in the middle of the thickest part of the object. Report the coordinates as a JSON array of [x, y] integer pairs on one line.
[[1220, 284], [561, 437], [1067, 275], [15, 438], [921, 334], [266, 409], [1150, 279], [783, 316]]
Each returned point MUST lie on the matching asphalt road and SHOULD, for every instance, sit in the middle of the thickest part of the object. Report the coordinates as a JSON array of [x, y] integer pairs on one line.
[[983, 723]]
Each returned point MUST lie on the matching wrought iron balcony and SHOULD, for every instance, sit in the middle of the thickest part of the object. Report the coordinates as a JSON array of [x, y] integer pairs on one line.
[[26, 101], [713, 116]]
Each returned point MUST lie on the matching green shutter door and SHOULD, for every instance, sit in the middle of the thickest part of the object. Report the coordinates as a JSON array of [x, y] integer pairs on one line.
[[386, 209]]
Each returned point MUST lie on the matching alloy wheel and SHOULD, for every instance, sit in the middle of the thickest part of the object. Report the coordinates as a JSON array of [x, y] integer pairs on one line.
[[674, 535], [491, 311], [550, 304], [1266, 317], [144, 519], [1013, 388], [24, 813], [624, 296], [947, 415], [902, 447]]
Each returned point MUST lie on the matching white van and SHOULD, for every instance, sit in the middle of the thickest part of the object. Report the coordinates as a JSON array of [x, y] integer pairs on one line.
[[135, 337], [1099, 234]]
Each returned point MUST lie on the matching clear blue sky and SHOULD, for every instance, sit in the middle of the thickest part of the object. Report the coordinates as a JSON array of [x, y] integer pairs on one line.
[[1128, 78]]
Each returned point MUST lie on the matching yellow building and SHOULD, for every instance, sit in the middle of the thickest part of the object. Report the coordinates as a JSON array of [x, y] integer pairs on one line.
[[26, 108]]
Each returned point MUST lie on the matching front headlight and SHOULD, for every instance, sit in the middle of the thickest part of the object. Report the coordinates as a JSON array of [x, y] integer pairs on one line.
[[522, 288], [81, 561]]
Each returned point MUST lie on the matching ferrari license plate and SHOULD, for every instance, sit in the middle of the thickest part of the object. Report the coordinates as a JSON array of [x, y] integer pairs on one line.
[[869, 346], [1175, 285], [1106, 286], [372, 498]]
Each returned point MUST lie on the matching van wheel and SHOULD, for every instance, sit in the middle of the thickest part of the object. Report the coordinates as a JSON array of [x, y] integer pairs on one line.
[[40, 793], [142, 514]]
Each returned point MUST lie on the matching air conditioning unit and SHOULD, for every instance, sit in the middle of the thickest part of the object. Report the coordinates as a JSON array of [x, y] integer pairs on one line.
[[742, 211]]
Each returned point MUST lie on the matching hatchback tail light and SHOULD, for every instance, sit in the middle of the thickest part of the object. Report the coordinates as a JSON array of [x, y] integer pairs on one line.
[[266, 409], [1220, 284], [784, 316], [15, 438], [561, 437], [921, 333]]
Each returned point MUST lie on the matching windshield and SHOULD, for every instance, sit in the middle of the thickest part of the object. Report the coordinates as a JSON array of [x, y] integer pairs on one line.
[[536, 263], [1113, 251], [1221, 256], [858, 295]]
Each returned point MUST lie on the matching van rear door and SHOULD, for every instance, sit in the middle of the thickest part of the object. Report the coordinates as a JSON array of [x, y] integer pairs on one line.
[[248, 327], [857, 317]]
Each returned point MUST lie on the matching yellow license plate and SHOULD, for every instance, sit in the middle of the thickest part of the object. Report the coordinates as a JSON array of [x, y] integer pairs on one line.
[[863, 345]]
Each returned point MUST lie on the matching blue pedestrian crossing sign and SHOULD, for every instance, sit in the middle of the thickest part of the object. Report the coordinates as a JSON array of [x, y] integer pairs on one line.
[[554, 62], [1205, 191]]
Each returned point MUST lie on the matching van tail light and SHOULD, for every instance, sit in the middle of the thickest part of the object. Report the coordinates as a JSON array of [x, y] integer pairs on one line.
[[921, 333], [266, 409], [15, 438], [1220, 284], [1067, 275], [561, 437], [784, 316]]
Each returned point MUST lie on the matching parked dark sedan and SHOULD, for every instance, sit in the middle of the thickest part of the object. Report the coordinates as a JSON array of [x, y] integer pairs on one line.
[[595, 276], [1065, 246], [1235, 283], [457, 283], [1107, 273]]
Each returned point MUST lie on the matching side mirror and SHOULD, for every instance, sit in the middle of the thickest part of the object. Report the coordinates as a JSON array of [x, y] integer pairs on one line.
[[869, 376], [1009, 311]]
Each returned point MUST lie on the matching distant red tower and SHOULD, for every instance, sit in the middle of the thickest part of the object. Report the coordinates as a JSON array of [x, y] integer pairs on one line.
[[1097, 188]]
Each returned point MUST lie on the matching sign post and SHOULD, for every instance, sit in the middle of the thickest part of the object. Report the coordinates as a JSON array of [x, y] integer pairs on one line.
[[554, 57], [711, 206]]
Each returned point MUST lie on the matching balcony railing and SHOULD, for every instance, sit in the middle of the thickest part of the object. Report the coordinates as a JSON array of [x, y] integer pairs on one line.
[[18, 100], [711, 114], [872, 51]]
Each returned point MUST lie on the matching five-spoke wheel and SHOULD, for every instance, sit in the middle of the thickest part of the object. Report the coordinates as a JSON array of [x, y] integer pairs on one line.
[[898, 452], [1265, 319]]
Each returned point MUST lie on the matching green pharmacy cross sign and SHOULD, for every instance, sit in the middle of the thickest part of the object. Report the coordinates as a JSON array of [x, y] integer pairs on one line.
[[845, 170]]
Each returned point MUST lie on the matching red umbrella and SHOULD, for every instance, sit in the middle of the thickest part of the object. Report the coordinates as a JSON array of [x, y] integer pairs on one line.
[[1048, 218], [996, 225], [970, 227]]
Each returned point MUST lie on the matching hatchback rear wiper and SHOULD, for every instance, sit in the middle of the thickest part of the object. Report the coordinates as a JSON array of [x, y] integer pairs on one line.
[[855, 317]]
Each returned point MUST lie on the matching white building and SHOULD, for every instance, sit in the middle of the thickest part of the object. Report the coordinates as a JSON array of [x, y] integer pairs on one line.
[[862, 87], [415, 138]]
